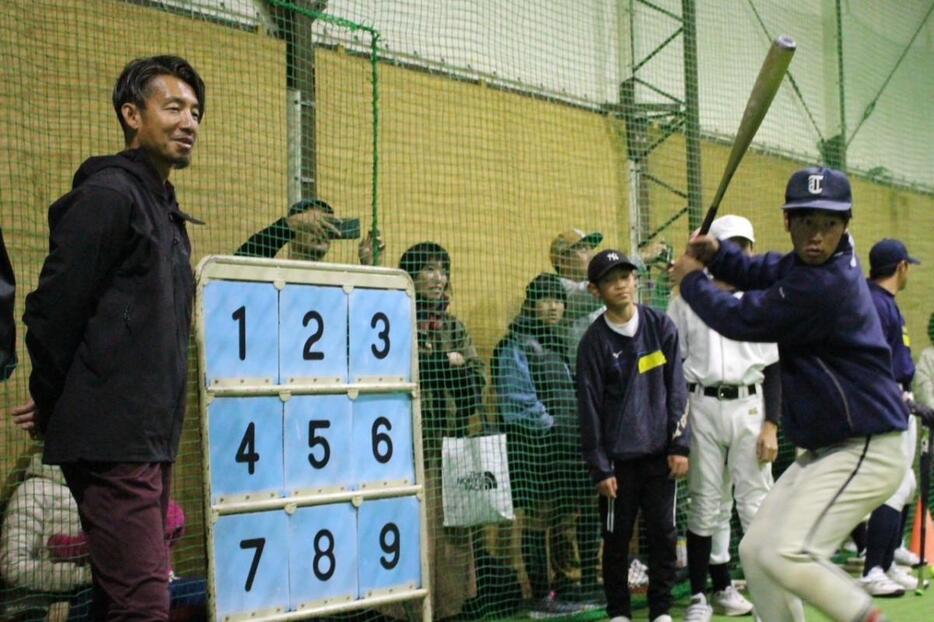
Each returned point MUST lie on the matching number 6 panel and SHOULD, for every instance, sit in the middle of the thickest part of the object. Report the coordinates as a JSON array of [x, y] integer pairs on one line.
[[380, 336], [382, 440]]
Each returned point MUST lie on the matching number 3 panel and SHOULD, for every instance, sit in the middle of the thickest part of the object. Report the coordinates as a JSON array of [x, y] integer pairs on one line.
[[312, 334], [389, 545], [380, 335], [245, 447], [323, 549], [251, 569], [318, 454], [241, 332], [382, 440]]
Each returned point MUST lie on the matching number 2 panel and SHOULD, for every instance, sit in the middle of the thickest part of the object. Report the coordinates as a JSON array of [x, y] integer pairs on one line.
[[380, 335], [245, 447], [323, 549], [317, 443], [312, 333], [382, 440], [388, 545], [251, 572], [241, 331]]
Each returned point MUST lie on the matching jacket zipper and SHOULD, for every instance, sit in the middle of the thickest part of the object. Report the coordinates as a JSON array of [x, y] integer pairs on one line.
[[836, 383]]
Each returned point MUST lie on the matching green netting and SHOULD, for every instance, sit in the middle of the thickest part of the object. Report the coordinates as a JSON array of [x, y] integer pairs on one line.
[[488, 129]]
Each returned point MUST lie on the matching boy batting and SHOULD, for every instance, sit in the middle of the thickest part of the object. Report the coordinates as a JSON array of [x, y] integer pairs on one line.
[[841, 403]]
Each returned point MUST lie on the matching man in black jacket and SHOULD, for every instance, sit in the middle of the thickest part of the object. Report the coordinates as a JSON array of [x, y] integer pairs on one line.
[[107, 331], [7, 326]]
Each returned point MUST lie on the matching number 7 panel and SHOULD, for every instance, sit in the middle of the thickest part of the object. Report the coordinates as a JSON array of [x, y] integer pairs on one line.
[[380, 336]]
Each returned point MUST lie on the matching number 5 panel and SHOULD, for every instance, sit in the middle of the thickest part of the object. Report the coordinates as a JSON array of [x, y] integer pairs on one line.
[[251, 569], [312, 334], [318, 432], [382, 440], [245, 447], [241, 332], [323, 549], [388, 545], [380, 335]]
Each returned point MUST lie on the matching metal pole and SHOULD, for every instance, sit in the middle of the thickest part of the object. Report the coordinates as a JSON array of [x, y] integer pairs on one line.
[[691, 116]]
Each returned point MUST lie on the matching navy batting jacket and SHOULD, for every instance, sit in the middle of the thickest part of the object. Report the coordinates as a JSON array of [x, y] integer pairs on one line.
[[836, 367], [895, 333], [631, 394]]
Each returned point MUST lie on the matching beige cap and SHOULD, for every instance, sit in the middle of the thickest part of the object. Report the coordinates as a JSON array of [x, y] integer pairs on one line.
[[571, 238]]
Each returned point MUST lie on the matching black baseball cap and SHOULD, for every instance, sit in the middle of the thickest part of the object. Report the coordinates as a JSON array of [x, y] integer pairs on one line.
[[604, 261], [821, 188], [888, 253]]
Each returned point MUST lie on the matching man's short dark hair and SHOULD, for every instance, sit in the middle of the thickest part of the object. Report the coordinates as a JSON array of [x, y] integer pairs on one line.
[[133, 84]]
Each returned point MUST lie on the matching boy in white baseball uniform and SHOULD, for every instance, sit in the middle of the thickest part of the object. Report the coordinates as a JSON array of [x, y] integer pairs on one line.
[[840, 401], [734, 402]]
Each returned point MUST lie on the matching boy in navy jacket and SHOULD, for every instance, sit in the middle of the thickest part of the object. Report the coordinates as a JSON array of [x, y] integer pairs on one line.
[[841, 402], [632, 402]]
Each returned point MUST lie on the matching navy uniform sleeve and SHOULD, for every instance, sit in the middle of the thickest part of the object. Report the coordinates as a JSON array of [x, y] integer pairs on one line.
[[679, 432], [88, 231], [772, 392], [589, 403], [732, 265]]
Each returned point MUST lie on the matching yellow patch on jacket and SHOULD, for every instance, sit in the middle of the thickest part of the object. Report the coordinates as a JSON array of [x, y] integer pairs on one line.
[[651, 361]]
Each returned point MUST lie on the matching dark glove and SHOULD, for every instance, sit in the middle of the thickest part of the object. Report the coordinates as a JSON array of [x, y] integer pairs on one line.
[[922, 412]]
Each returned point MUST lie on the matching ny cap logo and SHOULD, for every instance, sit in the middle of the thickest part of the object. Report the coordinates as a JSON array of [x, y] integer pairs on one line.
[[613, 257], [815, 184]]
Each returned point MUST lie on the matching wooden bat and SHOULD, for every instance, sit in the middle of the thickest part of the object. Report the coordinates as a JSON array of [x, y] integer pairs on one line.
[[763, 92]]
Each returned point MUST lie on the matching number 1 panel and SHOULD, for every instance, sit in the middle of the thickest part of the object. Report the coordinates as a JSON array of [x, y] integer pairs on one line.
[[251, 563], [318, 432], [389, 545], [241, 332], [312, 334], [380, 335], [245, 447], [323, 549]]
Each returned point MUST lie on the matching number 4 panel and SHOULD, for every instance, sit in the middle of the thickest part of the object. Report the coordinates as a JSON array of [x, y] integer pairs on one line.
[[380, 336]]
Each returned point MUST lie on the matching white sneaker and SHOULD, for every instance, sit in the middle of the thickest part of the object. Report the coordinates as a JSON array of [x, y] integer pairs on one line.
[[663, 618], [730, 602], [877, 584], [905, 579], [698, 610], [905, 557]]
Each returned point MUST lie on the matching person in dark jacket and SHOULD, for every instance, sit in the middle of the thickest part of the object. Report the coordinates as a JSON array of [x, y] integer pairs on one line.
[[107, 331], [7, 325], [536, 400], [632, 405], [841, 403]]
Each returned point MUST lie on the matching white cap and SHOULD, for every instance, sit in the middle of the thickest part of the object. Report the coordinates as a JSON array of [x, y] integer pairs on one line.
[[731, 226]]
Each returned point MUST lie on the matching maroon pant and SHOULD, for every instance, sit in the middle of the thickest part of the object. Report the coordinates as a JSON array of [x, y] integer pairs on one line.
[[122, 508]]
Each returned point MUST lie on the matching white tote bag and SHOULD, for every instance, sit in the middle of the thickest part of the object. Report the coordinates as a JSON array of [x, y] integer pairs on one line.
[[475, 481]]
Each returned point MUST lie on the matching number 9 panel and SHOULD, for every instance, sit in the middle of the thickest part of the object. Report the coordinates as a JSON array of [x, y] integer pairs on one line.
[[388, 545], [380, 335], [382, 440]]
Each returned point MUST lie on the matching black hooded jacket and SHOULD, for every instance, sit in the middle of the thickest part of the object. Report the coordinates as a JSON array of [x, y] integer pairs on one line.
[[108, 324], [7, 325]]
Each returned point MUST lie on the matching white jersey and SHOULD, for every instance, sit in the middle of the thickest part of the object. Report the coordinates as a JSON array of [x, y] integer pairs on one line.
[[711, 359]]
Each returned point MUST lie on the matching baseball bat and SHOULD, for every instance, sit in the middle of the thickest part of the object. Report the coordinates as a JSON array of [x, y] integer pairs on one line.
[[763, 92], [925, 501]]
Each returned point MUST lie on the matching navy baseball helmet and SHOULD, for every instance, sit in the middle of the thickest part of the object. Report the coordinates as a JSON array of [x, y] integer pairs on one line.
[[819, 188]]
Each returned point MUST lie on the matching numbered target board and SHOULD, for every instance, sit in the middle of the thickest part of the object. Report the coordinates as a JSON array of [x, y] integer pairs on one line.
[[313, 470]]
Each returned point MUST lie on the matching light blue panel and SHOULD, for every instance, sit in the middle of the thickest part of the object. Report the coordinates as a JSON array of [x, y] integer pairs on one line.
[[246, 446], [382, 438], [318, 432], [323, 549], [388, 544], [312, 332], [251, 570], [241, 330], [380, 334]]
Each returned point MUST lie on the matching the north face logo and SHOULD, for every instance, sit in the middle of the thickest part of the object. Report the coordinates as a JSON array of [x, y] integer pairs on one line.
[[478, 480]]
